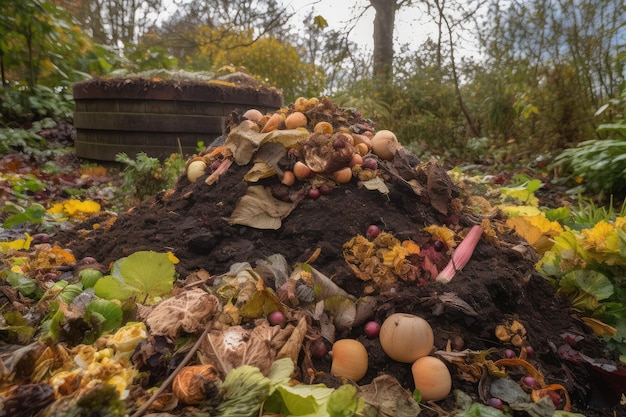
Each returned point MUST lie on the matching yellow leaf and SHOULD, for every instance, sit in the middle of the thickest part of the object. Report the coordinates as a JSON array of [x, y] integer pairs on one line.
[[442, 233], [514, 211], [18, 244], [602, 237], [172, 257], [536, 230], [598, 327], [411, 247]]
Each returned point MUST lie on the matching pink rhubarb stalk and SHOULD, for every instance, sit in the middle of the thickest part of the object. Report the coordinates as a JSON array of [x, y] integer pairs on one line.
[[461, 255]]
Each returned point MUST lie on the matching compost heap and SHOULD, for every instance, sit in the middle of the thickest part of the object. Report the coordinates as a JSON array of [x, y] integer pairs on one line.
[[315, 251]]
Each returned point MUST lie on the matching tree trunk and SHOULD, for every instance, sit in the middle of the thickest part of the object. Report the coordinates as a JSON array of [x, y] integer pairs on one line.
[[383, 38]]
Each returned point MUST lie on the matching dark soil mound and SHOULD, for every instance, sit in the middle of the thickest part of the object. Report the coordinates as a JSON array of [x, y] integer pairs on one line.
[[498, 284]]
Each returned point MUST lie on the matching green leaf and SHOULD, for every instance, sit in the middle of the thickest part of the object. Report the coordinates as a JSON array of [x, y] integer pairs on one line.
[[146, 275], [32, 214], [89, 277], [24, 285], [344, 402], [103, 316], [108, 310]]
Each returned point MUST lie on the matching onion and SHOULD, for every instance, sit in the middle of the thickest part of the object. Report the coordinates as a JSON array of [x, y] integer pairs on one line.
[[406, 338], [385, 144], [350, 359], [372, 329], [432, 378]]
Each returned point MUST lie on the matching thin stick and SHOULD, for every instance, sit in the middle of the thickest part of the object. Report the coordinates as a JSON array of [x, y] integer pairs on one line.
[[170, 378]]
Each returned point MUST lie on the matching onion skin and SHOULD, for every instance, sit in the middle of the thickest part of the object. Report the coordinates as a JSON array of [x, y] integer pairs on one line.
[[350, 359], [406, 337], [432, 378]]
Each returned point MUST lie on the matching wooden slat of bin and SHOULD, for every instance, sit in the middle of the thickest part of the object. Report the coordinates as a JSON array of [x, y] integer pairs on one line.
[[148, 122]]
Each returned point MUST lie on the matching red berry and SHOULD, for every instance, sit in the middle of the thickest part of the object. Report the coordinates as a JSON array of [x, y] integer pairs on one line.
[[314, 193], [372, 231]]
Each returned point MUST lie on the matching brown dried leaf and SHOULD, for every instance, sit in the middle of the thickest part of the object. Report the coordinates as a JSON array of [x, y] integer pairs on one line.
[[187, 311], [291, 349], [235, 346], [389, 398]]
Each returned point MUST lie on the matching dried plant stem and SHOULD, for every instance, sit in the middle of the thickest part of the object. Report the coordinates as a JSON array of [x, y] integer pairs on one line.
[[141, 410]]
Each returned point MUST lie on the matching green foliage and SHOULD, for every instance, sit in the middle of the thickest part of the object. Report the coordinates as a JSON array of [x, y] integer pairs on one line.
[[278, 64], [39, 43], [145, 275], [145, 176], [33, 214], [601, 163]]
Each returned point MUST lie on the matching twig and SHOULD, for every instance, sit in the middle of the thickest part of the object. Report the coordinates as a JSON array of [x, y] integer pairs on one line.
[[170, 378]]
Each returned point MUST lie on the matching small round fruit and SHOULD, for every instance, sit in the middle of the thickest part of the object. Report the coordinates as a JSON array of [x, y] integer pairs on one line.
[[276, 318], [432, 378], [295, 120], [385, 144], [253, 114], [288, 178], [195, 170], [314, 193], [372, 231], [350, 359], [372, 329], [406, 337], [343, 176]]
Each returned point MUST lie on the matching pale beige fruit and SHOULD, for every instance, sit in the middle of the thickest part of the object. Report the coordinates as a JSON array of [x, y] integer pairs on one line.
[[302, 170], [195, 170], [254, 115], [350, 359], [343, 176], [432, 378], [385, 144], [406, 337], [295, 120], [273, 123], [323, 127], [288, 178]]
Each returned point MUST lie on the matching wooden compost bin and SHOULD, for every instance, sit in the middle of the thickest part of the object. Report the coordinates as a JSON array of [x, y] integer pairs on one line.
[[135, 115]]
